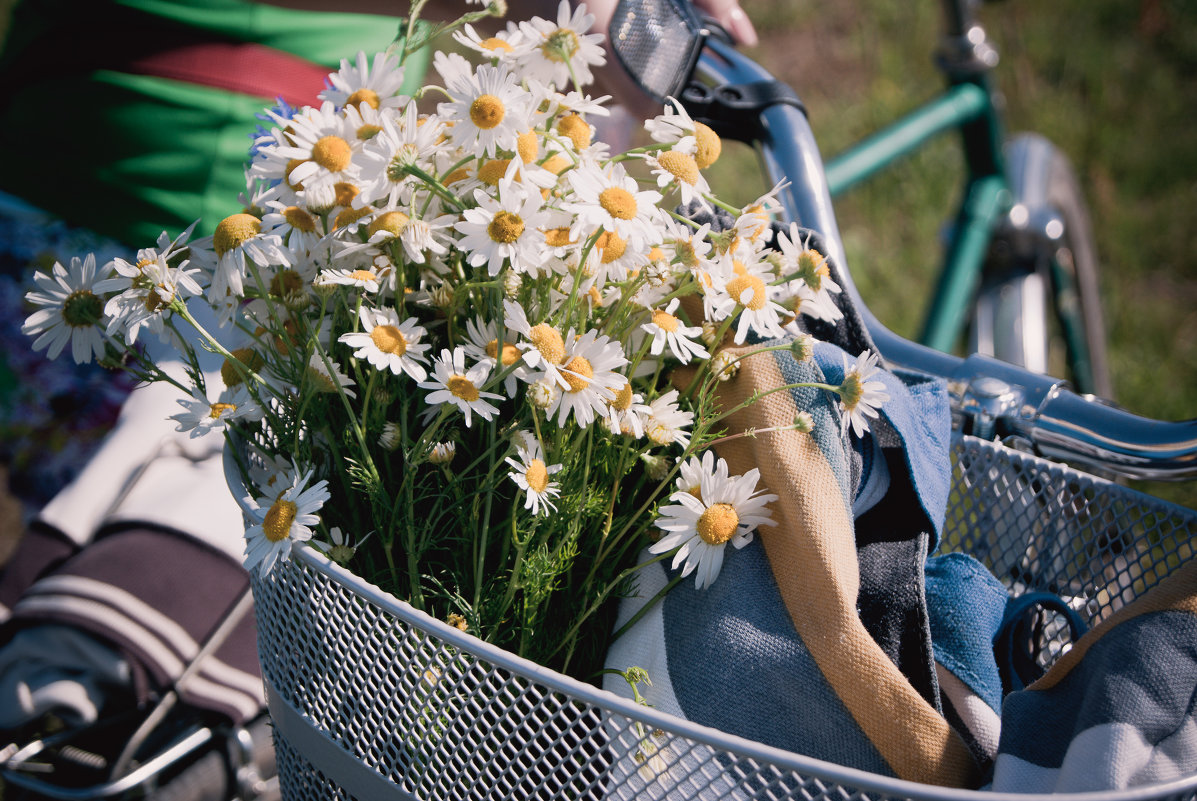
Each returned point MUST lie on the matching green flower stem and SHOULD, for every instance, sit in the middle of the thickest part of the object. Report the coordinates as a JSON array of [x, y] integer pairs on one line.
[[435, 185], [181, 310], [704, 369], [755, 396], [481, 541]]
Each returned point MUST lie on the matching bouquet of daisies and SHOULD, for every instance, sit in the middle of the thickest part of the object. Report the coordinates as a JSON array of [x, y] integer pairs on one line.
[[452, 326]]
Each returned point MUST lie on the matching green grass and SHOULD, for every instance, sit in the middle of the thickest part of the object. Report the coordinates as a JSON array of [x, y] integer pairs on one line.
[[1106, 80]]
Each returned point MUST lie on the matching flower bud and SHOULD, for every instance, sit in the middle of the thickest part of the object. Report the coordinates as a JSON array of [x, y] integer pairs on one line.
[[442, 452]]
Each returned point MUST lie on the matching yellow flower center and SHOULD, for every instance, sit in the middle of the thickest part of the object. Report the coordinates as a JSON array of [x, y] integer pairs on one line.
[[494, 44], [556, 163], [487, 111], [579, 375], [737, 287], [594, 297], [560, 45], [851, 391], [231, 372], [505, 227], [389, 339], [83, 309], [299, 219], [345, 193], [368, 131], [233, 230], [367, 96], [680, 166], [393, 222], [812, 265], [363, 275], [665, 321], [462, 387], [291, 165], [217, 409], [349, 215], [460, 174], [493, 171], [619, 203], [549, 342], [611, 245], [528, 146], [511, 353], [718, 523], [286, 282], [709, 146], [153, 301], [332, 153], [623, 398], [537, 476], [557, 237], [576, 128], [277, 524]]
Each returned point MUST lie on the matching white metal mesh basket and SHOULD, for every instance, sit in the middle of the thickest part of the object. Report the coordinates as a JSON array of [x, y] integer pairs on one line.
[[374, 700]]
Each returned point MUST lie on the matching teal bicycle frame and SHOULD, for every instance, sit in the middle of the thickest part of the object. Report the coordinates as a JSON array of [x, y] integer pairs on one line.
[[967, 106]]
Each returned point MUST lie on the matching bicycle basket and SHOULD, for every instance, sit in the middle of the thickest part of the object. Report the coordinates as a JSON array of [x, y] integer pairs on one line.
[[371, 699]]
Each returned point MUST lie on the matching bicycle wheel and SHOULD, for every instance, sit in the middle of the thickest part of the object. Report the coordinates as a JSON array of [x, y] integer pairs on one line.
[[1039, 305]]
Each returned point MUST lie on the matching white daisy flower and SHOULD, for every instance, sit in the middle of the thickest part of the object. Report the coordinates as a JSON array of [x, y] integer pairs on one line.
[[813, 286], [202, 416], [146, 289], [299, 229], [859, 397], [608, 198], [677, 168], [675, 125], [225, 255], [747, 292], [403, 142], [502, 46], [726, 509], [389, 344], [453, 383], [544, 350], [442, 452], [374, 84], [71, 312], [627, 411], [324, 380], [667, 422], [267, 472], [339, 548], [489, 110], [589, 370], [482, 345], [279, 523], [559, 52], [365, 279], [532, 475], [318, 149], [505, 228], [666, 329]]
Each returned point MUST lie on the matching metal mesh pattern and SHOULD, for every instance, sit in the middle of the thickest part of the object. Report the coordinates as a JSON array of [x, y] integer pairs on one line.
[[443, 716]]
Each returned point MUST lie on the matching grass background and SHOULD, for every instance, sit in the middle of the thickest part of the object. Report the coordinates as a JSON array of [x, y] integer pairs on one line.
[[1109, 81]]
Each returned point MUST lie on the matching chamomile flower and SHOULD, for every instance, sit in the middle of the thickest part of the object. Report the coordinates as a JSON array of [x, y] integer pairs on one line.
[[146, 289], [71, 312], [375, 84], [404, 142], [544, 347], [531, 473], [339, 549], [505, 228], [322, 143], [453, 384], [726, 509], [667, 422], [859, 397], [607, 198], [590, 370], [202, 416], [327, 378], [559, 52], [281, 522], [675, 126], [501, 47], [748, 293], [627, 411], [299, 229], [482, 345], [677, 168], [666, 329], [489, 110], [389, 344], [364, 278], [237, 241]]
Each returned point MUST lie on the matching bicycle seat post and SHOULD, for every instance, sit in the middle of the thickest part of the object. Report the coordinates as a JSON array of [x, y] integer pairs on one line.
[[965, 52]]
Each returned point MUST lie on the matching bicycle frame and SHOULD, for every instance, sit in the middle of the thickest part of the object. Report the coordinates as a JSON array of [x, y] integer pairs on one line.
[[990, 398], [968, 106]]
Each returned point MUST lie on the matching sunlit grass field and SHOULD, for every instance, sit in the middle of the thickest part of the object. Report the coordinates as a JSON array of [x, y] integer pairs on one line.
[[1108, 80]]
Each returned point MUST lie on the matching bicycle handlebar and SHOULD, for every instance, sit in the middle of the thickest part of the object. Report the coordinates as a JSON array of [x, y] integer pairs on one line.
[[992, 398]]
